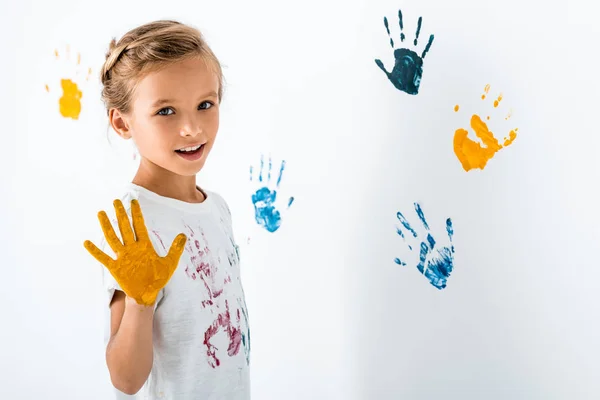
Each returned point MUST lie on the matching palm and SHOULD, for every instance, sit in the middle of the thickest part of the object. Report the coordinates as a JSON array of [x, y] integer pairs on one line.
[[138, 269]]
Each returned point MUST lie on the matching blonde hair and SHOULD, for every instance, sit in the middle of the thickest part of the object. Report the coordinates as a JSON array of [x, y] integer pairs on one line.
[[148, 48]]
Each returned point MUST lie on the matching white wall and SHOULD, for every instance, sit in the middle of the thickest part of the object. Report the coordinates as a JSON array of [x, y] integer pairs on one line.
[[333, 317]]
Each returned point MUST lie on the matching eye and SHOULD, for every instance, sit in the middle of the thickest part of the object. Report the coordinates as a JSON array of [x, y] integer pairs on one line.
[[161, 111], [205, 105]]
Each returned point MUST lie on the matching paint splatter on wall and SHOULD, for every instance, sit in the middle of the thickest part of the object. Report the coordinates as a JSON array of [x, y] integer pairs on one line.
[[434, 263], [267, 210], [472, 154], [408, 65], [69, 102]]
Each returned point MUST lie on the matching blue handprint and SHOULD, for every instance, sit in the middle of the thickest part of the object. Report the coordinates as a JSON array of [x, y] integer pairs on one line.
[[435, 264], [408, 66], [265, 211]]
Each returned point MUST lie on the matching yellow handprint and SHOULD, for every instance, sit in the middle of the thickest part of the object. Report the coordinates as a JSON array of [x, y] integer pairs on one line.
[[138, 269], [70, 101], [470, 153]]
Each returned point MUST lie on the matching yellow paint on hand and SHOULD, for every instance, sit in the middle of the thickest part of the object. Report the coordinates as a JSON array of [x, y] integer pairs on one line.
[[138, 269]]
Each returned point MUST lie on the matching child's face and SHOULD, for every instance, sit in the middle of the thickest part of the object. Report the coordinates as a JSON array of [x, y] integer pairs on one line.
[[176, 108]]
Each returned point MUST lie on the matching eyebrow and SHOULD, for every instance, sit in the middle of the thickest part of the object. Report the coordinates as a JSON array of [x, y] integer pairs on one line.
[[160, 102]]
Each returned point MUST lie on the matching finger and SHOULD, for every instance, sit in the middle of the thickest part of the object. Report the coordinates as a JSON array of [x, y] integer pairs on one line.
[[399, 261], [98, 254], [399, 232], [139, 227], [387, 29], [429, 42], [405, 223], [280, 172], [421, 216], [449, 229], [109, 232], [419, 22], [400, 24], [380, 65], [124, 225], [270, 169], [484, 134], [262, 165], [176, 250]]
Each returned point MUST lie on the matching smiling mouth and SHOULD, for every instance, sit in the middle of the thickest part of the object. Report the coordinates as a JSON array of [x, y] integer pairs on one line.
[[190, 150]]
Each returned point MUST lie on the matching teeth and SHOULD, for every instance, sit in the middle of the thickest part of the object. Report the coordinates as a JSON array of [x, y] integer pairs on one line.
[[191, 148]]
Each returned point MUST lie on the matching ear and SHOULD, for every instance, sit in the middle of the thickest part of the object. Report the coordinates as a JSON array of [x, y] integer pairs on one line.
[[120, 123]]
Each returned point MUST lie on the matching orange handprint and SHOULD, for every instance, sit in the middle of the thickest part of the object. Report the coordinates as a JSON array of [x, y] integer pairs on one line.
[[138, 269], [70, 101], [472, 154]]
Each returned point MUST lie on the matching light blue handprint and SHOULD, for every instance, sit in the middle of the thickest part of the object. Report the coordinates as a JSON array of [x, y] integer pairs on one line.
[[435, 264], [264, 199]]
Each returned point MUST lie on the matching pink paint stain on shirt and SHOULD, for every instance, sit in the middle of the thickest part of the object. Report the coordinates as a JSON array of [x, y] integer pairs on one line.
[[202, 266], [234, 333], [159, 239]]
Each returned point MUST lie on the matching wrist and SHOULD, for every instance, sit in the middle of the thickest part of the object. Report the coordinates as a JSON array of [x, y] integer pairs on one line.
[[131, 302]]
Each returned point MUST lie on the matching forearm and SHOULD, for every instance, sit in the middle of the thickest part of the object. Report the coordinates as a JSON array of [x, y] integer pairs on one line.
[[129, 352]]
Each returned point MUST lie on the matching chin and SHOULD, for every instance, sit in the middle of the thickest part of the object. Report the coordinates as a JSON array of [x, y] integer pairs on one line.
[[190, 170]]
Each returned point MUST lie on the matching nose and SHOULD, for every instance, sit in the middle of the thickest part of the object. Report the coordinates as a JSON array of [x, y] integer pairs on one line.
[[190, 128]]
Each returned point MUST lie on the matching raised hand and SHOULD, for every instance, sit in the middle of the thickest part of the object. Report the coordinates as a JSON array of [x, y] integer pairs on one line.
[[138, 269]]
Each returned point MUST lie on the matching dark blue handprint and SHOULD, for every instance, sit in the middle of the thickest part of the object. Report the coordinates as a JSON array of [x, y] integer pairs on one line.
[[408, 65], [265, 197], [435, 264]]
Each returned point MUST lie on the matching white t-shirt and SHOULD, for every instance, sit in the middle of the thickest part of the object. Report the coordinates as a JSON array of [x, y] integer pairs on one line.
[[201, 336]]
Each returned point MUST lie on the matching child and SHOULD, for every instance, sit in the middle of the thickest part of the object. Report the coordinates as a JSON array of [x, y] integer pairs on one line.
[[178, 321]]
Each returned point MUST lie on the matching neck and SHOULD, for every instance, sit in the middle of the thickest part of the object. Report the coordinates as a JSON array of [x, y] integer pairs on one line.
[[166, 183]]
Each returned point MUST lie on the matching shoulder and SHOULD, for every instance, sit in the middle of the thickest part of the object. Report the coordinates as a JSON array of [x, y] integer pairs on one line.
[[219, 201]]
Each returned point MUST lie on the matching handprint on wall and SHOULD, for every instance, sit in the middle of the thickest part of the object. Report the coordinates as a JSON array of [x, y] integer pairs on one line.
[[267, 210], [472, 154], [69, 102], [435, 263], [408, 65]]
